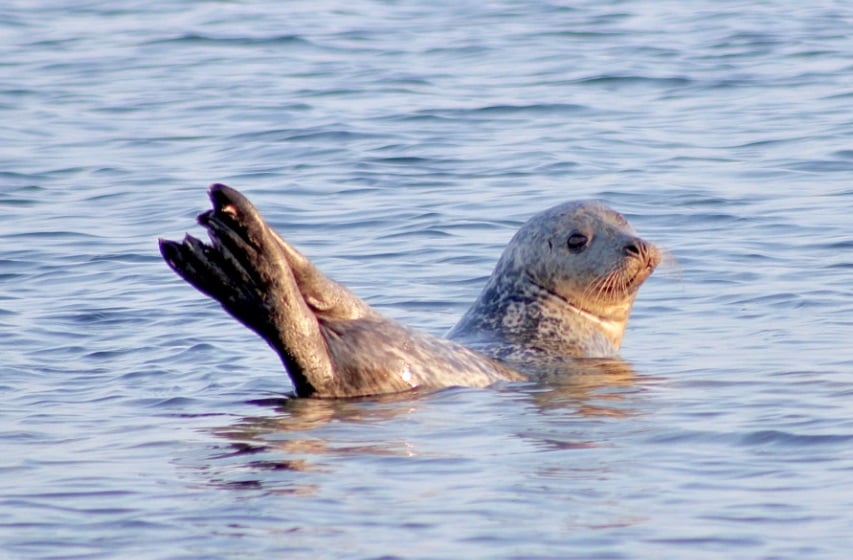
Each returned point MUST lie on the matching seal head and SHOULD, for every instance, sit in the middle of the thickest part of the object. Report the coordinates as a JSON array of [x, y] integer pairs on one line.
[[563, 287]]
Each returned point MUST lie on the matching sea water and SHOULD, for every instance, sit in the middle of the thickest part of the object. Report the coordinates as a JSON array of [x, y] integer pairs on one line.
[[400, 144]]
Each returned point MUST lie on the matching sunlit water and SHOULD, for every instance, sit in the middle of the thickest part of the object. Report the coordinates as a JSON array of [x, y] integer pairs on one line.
[[400, 144]]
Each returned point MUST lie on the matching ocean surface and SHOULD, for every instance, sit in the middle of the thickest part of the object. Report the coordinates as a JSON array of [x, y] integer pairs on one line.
[[400, 144]]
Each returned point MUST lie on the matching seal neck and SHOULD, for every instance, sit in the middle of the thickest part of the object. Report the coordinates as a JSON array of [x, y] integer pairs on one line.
[[613, 329], [518, 311], [573, 326]]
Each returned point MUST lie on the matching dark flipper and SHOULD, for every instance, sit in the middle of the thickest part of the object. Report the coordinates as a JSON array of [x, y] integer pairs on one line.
[[247, 270]]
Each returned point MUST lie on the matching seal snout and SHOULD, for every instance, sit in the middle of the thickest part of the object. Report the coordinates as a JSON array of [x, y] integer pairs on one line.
[[643, 251]]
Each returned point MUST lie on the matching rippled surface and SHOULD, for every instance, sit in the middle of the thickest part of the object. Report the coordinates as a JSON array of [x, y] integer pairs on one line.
[[400, 144]]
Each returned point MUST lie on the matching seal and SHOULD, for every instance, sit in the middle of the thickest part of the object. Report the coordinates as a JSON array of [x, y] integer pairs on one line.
[[562, 290]]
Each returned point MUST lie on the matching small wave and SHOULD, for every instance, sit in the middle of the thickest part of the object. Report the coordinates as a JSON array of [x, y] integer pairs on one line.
[[490, 111], [209, 40], [633, 80], [788, 439]]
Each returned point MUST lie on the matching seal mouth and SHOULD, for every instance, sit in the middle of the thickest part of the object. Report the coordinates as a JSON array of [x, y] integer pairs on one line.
[[639, 276], [641, 260], [621, 283]]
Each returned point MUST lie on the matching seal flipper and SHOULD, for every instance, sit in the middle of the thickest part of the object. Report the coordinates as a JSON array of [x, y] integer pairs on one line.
[[246, 271], [327, 298]]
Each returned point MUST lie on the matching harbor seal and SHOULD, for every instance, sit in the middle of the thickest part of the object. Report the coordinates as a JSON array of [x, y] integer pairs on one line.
[[562, 290]]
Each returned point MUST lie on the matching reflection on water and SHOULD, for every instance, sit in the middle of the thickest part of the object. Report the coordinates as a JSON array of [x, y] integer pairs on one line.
[[283, 437], [596, 387], [295, 436], [297, 414]]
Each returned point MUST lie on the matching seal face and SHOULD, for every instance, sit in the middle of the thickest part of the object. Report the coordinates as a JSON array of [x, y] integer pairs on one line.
[[562, 290]]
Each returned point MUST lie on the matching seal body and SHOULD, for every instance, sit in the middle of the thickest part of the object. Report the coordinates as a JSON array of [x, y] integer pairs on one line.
[[562, 290]]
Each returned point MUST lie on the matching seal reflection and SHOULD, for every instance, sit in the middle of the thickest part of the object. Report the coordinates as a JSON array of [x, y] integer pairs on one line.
[[293, 448]]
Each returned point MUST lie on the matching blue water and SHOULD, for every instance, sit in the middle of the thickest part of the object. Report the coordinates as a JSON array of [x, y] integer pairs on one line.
[[400, 144]]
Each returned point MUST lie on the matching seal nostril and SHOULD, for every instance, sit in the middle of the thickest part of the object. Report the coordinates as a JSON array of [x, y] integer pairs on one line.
[[632, 249]]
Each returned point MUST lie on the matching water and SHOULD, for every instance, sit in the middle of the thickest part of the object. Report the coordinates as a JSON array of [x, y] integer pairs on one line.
[[400, 144]]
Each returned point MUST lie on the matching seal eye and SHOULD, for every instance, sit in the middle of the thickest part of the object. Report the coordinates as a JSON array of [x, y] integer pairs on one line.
[[577, 242]]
